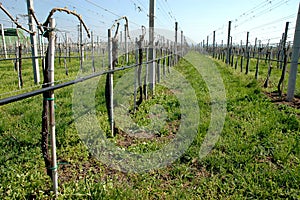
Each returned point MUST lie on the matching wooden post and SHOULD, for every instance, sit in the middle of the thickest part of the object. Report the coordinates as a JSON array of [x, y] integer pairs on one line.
[[158, 69], [110, 83], [254, 49], [121, 60], [281, 81], [98, 45], [257, 64], [169, 58], [40, 47], [242, 55], [237, 59], [103, 58], [146, 75], [266, 84], [136, 76], [126, 43], [69, 53], [181, 44], [51, 106], [33, 39], [86, 55], [151, 47], [247, 53], [17, 62], [59, 52], [294, 61], [140, 61], [3, 41], [207, 44], [20, 66], [66, 54], [228, 43], [214, 43], [164, 63], [93, 52], [172, 55], [176, 31], [232, 55], [81, 56]]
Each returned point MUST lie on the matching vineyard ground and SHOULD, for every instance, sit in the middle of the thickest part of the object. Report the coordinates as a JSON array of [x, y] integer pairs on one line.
[[257, 154]]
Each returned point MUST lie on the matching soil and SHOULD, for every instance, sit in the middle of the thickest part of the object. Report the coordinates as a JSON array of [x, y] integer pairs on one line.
[[277, 99]]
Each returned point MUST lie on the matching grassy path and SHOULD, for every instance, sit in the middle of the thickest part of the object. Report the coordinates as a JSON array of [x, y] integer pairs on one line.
[[256, 155]]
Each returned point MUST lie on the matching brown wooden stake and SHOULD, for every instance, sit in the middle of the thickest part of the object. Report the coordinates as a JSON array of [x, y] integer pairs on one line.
[[247, 54], [280, 84], [20, 67]]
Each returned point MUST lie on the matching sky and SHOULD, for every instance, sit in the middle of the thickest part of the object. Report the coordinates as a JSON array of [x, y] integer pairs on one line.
[[264, 19]]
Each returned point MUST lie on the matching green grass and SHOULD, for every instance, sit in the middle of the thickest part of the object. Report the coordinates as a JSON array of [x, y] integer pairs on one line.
[[256, 157], [263, 71]]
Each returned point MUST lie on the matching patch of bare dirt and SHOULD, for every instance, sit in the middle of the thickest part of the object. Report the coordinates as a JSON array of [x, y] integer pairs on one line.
[[76, 171], [277, 99], [127, 139]]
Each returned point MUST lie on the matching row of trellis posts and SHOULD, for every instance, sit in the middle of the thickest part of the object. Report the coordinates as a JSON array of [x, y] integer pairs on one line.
[[166, 58], [168, 54], [282, 53]]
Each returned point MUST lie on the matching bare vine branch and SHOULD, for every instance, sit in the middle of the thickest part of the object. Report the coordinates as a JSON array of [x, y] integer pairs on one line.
[[143, 33], [126, 23], [14, 20], [68, 12], [40, 26], [116, 33]]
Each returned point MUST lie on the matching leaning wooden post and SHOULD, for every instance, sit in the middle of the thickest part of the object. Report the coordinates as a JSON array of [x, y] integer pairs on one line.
[[266, 84], [51, 105], [294, 62], [228, 43], [280, 84]]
